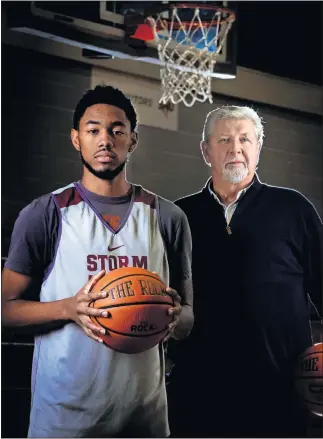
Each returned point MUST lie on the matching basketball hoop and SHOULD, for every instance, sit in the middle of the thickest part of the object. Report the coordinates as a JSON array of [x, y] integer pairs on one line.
[[188, 50]]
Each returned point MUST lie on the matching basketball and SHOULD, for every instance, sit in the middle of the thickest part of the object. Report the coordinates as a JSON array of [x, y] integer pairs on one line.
[[137, 306], [309, 378]]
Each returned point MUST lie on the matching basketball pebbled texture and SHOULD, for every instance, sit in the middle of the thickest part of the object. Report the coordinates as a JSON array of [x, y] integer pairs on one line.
[[309, 378], [137, 306]]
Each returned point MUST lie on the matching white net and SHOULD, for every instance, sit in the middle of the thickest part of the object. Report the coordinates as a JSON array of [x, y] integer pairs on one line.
[[188, 52]]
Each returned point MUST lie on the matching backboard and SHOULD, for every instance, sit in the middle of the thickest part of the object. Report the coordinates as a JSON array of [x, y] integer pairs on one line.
[[102, 29]]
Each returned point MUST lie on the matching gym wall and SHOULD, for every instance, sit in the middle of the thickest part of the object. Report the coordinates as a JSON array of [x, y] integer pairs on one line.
[[40, 92]]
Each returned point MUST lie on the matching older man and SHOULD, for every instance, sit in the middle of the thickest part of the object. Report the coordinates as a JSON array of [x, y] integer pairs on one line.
[[257, 262]]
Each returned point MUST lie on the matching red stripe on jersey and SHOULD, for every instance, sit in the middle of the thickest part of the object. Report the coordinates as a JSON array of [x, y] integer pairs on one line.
[[69, 197], [146, 198]]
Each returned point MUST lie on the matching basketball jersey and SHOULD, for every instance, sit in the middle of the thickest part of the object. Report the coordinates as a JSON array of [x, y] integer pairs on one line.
[[81, 388]]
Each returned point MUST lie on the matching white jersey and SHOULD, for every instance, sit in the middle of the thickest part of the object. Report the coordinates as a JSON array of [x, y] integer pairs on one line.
[[81, 388]]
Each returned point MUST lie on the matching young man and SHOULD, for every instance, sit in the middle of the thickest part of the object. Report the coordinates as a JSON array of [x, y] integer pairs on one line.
[[80, 387], [257, 258]]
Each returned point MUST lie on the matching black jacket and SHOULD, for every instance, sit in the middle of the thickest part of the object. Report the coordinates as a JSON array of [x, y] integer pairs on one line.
[[251, 284]]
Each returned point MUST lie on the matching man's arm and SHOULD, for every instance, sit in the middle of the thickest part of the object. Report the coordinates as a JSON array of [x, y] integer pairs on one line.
[[177, 237], [29, 256], [18, 312], [186, 317], [44, 316], [30, 253], [313, 257]]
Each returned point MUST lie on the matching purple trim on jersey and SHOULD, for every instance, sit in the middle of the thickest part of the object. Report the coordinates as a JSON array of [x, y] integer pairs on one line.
[[145, 197], [156, 203], [51, 266], [82, 194], [125, 219], [69, 197]]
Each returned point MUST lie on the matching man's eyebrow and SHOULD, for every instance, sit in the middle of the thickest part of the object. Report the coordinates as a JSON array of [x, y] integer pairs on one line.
[[93, 122], [114, 124], [227, 134], [118, 123]]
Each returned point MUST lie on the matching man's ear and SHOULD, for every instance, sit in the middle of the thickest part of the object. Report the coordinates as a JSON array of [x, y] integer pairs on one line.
[[134, 141], [75, 139], [204, 150]]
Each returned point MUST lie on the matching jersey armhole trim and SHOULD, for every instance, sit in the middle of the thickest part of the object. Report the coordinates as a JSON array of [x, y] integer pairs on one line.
[[162, 233], [51, 266]]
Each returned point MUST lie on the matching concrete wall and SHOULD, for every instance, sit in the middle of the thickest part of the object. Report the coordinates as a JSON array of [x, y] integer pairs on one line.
[[292, 155], [40, 94]]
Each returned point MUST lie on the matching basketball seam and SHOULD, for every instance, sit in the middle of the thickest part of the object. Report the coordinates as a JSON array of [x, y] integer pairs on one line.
[[311, 353], [126, 334], [135, 303]]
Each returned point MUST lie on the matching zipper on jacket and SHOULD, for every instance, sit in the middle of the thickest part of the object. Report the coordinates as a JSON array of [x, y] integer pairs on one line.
[[229, 230]]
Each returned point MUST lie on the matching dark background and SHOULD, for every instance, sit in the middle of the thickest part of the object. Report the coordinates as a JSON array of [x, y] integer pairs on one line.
[[281, 38]]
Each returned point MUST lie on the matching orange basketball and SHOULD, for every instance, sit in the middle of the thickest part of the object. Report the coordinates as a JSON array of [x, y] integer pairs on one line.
[[137, 306], [309, 378]]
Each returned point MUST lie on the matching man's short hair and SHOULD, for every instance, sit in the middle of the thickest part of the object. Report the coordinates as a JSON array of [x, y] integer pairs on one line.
[[105, 94], [228, 112]]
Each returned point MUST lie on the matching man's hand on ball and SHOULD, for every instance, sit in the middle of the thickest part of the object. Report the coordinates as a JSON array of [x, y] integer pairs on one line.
[[173, 311], [79, 311]]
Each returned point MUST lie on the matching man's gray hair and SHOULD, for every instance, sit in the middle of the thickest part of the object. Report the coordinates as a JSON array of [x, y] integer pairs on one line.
[[233, 112]]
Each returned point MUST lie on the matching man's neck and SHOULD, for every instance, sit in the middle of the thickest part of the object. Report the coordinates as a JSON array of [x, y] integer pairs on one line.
[[114, 188], [228, 192]]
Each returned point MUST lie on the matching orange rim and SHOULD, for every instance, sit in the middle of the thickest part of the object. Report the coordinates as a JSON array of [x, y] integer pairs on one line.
[[231, 16]]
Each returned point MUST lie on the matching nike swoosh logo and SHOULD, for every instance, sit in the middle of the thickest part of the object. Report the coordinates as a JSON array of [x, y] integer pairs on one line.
[[111, 249]]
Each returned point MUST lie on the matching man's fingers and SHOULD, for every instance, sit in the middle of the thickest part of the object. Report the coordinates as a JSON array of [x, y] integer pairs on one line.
[[174, 311], [88, 311], [90, 297], [90, 284], [167, 337], [88, 324], [92, 335], [171, 327], [174, 294], [172, 324]]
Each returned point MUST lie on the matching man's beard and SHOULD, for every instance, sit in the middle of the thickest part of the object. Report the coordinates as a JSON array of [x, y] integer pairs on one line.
[[235, 175], [107, 174]]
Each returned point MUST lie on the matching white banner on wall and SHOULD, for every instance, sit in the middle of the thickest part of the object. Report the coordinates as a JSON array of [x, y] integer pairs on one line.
[[144, 94]]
